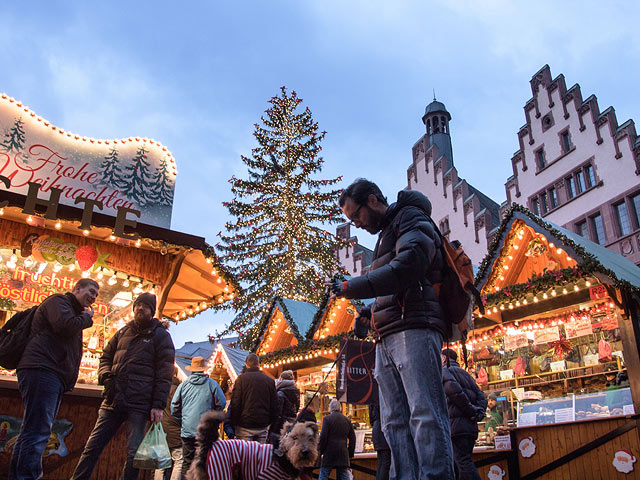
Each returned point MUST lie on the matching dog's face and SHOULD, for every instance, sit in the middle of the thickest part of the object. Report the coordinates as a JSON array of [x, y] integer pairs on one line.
[[300, 444]]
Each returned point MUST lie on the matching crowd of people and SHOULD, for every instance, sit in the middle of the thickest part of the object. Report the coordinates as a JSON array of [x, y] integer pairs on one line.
[[429, 407]]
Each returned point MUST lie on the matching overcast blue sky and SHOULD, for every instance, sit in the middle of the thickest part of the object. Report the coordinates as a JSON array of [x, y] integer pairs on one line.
[[197, 75]]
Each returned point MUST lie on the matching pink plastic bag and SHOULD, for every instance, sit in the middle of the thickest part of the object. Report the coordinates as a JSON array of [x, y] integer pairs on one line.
[[604, 351], [520, 368], [483, 377]]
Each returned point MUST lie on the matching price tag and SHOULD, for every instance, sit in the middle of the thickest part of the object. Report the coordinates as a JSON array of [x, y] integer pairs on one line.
[[518, 393], [527, 419], [628, 409], [506, 374], [565, 415], [502, 442], [558, 366]]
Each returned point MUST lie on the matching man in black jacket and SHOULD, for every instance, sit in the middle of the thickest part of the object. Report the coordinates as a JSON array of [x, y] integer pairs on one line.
[[136, 369], [407, 264], [467, 405], [254, 403], [48, 368], [337, 443]]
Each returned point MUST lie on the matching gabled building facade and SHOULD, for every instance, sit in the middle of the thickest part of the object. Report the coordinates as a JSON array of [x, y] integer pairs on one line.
[[577, 166]]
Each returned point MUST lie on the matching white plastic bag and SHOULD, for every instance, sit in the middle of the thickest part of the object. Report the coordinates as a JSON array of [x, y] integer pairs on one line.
[[153, 452]]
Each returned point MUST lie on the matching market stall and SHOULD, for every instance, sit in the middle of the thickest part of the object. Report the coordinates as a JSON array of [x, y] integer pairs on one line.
[[557, 354], [74, 207], [311, 355]]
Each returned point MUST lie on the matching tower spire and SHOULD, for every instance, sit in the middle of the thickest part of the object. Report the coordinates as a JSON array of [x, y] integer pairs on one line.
[[434, 94]]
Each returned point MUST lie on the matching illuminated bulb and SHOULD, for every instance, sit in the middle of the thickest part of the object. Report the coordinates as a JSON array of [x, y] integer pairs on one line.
[[57, 267], [576, 288], [501, 277], [501, 307], [42, 267], [28, 262], [510, 307], [138, 243], [525, 301], [495, 310], [100, 275], [565, 291], [112, 237], [72, 267], [559, 251], [138, 289], [516, 247], [535, 300], [506, 267], [551, 245], [14, 257], [1, 211], [553, 293], [588, 283], [29, 219], [125, 284], [569, 259], [545, 296], [58, 225], [85, 232], [85, 274], [518, 303], [112, 280], [497, 288]]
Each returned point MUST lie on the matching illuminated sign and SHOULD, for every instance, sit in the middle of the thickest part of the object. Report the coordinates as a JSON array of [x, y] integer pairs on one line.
[[132, 174]]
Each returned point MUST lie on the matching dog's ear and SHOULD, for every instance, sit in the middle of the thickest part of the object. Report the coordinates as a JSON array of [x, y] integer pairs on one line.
[[312, 425], [285, 428]]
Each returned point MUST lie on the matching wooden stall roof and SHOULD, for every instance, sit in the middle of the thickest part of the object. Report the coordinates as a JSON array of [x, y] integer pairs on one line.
[[275, 334], [528, 255], [197, 280], [335, 316]]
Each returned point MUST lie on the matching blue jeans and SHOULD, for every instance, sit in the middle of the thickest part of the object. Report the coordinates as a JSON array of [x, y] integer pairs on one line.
[[41, 391], [106, 427], [341, 473], [413, 407]]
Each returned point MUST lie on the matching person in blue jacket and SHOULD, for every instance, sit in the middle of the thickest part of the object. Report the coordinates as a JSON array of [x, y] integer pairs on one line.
[[196, 395]]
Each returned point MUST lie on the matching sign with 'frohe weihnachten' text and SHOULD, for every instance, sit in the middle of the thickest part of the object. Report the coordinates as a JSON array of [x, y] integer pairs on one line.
[[133, 173]]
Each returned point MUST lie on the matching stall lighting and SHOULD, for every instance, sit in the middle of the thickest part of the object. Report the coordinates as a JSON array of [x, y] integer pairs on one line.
[[57, 267], [138, 243], [553, 293], [112, 280], [72, 267], [100, 274], [58, 225], [85, 274], [42, 267], [1, 211], [112, 237], [29, 219], [28, 262], [125, 284]]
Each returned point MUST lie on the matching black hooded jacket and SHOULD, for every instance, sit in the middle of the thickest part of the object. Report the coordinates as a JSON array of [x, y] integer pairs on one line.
[[136, 368], [288, 403], [55, 343], [465, 401], [407, 261]]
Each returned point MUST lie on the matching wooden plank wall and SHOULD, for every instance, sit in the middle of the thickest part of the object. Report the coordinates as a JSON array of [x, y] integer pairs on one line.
[[82, 412], [554, 442]]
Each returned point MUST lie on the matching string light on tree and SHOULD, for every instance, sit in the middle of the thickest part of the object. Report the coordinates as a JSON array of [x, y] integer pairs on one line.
[[276, 245]]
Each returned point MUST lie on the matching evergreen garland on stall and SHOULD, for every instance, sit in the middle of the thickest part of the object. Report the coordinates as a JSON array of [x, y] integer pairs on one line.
[[277, 244]]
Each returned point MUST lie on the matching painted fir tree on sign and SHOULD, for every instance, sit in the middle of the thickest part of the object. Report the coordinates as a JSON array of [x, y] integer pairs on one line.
[[277, 244], [13, 141], [162, 192], [136, 178], [109, 169]]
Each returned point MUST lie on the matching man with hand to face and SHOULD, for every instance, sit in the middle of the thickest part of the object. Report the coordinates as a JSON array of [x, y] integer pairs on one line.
[[48, 368], [136, 369]]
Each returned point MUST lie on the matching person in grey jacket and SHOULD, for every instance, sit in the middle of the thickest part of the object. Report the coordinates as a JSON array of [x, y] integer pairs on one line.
[[48, 368], [194, 396], [136, 368], [467, 405]]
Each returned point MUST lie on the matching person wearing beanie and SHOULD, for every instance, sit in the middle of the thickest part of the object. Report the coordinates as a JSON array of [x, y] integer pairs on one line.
[[466, 404], [288, 405], [136, 368]]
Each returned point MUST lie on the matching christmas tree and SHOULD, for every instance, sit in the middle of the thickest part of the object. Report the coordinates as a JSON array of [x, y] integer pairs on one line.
[[14, 139], [135, 181], [162, 192], [276, 245], [110, 172]]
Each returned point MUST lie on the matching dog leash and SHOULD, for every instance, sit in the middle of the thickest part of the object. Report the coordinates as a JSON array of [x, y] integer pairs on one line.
[[317, 391]]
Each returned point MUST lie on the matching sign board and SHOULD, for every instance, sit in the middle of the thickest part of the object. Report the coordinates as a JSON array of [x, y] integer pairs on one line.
[[578, 328], [565, 415], [598, 292], [558, 366], [513, 342], [355, 382], [502, 442], [506, 374], [134, 173], [546, 335]]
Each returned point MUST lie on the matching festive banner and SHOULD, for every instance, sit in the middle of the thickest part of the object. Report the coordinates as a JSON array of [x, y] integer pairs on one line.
[[513, 342], [546, 335], [135, 173], [578, 328], [10, 428], [355, 373]]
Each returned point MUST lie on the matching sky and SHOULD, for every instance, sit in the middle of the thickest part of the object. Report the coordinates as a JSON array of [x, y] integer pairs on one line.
[[197, 76]]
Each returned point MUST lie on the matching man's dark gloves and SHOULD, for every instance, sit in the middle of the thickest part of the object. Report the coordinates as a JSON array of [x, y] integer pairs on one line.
[[337, 287], [362, 324], [479, 416]]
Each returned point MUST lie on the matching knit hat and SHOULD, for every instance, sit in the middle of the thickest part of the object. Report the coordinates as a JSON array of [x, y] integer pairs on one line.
[[493, 396], [447, 352], [286, 375], [148, 299]]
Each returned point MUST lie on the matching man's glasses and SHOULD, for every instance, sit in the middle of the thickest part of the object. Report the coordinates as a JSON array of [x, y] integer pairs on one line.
[[356, 215]]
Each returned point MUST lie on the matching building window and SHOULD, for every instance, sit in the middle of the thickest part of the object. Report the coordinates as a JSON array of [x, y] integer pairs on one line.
[[544, 205], [590, 176], [623, 218], [598, 229], [553, 197], [571, 187], [535, 206], [565, 141], [636, 208], [582, 229], [542, 162], [579, 182]]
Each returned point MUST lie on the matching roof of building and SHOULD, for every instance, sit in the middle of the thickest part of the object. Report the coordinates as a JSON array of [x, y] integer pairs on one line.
[[203, 349], [298, 315], [367, 254], [436, 106], [237, 357], [608, 266]]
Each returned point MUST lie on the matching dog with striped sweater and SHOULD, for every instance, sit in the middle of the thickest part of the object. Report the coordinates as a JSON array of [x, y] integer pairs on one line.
[[241, 460]]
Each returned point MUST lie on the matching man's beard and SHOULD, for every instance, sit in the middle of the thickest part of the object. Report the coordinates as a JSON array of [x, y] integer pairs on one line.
[[142, 321]]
